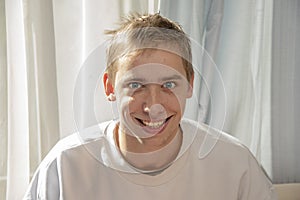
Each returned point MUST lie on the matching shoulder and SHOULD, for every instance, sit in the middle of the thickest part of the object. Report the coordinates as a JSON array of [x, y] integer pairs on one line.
[[204, 131], [213, 143], [75, 141], [49, 171], [221, 152]]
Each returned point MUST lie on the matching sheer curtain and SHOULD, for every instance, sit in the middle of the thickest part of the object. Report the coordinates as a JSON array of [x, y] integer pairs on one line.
[[29, 103], [44, 43], [244, 59]]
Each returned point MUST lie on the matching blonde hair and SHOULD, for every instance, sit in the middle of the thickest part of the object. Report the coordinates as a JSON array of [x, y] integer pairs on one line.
[[152, 31]]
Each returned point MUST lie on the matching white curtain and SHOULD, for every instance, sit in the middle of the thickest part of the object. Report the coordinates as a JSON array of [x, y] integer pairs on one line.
[[43, 44], [29, 101], [244, 59]]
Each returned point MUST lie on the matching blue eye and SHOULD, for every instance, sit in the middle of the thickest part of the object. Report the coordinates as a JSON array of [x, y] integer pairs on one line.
[[169, 85], [134, 85]]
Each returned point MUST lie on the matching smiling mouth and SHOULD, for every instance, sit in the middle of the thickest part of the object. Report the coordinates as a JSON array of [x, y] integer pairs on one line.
[[153, 124]]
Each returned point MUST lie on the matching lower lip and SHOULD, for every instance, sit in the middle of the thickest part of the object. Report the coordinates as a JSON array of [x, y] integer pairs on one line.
[[154, 131]]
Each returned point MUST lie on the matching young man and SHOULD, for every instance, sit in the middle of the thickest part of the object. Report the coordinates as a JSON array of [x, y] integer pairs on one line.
[[150, 152]]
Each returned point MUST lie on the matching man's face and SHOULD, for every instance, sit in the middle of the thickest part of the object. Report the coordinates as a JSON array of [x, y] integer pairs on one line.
[[151, 94]]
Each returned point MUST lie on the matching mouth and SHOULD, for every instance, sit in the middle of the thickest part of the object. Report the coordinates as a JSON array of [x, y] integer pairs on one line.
[[155, 125]]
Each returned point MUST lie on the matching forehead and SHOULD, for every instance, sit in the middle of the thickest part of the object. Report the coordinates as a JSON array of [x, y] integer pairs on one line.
[[155, 63]]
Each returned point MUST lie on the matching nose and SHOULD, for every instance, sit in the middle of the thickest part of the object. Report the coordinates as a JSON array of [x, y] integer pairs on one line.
[[153, 104], [156, 112], [152, 95]]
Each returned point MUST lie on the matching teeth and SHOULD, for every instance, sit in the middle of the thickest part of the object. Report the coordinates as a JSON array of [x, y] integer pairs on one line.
[[154, 124]]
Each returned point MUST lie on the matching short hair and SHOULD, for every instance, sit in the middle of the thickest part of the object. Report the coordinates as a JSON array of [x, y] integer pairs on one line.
[[138, 32]]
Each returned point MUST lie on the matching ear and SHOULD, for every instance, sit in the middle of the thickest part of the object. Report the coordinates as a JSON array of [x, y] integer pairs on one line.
[[191, 86], [108, 87]]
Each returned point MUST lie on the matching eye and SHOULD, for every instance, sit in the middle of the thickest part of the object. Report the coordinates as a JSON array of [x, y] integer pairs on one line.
[[135, 85], [169, 85]]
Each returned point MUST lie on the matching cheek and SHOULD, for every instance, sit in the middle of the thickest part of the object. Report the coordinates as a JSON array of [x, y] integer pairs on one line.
[[179, 100], [175, 105], [135, 104], [123, 103]]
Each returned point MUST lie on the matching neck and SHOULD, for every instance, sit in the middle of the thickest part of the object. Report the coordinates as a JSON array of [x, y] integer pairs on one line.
[[148, 156]]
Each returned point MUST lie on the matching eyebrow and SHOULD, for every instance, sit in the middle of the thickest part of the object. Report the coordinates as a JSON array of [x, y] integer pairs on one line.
[[173, 77], [129, 79], [163, 79]]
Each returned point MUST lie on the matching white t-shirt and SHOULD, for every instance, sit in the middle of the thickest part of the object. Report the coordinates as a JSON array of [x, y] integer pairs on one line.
[[89, 166]]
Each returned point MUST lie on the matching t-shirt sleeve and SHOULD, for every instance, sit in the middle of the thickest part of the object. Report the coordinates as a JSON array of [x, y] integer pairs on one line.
[[45, 183], [255, 184]]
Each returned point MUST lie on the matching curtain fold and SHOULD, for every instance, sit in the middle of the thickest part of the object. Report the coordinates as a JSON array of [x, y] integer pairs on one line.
[[3, 129], [42, 92], [244, 59], [3, 102], [17, 98]]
